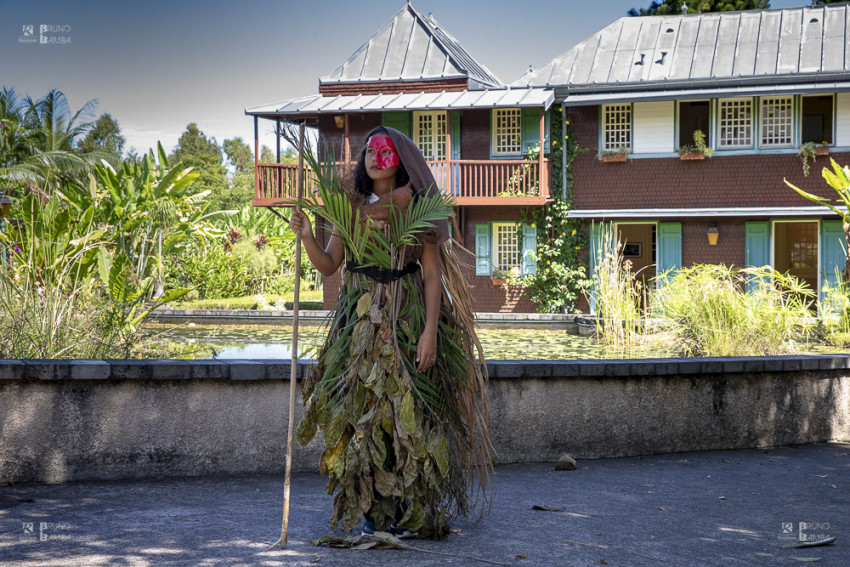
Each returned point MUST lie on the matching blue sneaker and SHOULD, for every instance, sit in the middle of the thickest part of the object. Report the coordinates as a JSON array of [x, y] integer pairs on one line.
[[402, 533], [368, 527]]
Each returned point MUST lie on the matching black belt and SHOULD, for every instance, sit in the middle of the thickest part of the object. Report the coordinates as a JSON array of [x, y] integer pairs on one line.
[[382, 275]]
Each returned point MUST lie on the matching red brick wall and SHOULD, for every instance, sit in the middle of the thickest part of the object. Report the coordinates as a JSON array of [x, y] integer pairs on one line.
[[475, 134], [475, 145], [448, 85], [730, 242], [485, 296], [721, 181], [474, 139], [358, 126]]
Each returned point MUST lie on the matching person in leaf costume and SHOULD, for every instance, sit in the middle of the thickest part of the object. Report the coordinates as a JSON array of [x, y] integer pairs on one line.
[[399, 386]]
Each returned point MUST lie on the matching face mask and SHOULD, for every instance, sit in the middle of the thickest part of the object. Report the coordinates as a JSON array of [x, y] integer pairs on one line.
[[385, 153]]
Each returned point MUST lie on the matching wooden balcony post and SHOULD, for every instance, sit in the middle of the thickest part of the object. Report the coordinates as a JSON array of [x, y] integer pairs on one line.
[[542, 174], [448, 187], [346, 145], [278, 171], [256, 160]]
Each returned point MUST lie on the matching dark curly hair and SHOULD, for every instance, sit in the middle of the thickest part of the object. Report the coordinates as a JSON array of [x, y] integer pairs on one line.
[[362, 181]]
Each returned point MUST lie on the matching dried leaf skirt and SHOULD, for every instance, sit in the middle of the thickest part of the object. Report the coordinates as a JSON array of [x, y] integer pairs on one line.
[[402, 447]]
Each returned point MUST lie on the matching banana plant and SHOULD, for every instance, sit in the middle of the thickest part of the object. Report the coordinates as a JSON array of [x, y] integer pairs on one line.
[[148, 211]]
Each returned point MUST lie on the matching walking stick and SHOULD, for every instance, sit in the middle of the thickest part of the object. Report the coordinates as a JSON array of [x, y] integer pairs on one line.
[[290, 437]]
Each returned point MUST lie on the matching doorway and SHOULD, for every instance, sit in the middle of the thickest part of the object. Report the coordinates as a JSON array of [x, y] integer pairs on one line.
[[795, 250]]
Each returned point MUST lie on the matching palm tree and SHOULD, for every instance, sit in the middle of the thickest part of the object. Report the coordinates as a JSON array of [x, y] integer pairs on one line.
[[37, 143]]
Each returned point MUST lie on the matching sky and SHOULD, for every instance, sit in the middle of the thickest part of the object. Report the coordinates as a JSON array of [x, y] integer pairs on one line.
[[159, 65]]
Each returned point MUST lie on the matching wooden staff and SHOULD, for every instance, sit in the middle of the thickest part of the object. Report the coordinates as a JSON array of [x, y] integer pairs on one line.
[[293, 375]]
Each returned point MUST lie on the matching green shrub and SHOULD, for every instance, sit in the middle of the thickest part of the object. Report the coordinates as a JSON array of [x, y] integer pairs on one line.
[[835, 313], [712, 315]]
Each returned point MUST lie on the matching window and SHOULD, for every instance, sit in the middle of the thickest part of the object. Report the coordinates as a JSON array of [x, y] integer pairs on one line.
[[616, 127], [429, 134], [507, 251], [694, 115], [736, 123], [507, 131], [504, 246], [817, 119], [776, 121]]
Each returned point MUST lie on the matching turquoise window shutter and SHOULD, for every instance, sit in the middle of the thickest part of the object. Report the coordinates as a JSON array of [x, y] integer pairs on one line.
[[832, 255], [529, 249], [398, 120], [483, 236], [756, 247], [594, 258], [530, 119], [669, 247], [455, 134]]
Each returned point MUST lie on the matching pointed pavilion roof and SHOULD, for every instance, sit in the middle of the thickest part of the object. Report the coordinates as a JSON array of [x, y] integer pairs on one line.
[[411, 47]]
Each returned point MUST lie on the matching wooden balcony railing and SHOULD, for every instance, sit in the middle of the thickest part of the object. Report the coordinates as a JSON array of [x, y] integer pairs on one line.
[[470, 182]]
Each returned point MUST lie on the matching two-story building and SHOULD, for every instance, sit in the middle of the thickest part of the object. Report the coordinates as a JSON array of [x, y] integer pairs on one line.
[[480, 137], [758, 85]]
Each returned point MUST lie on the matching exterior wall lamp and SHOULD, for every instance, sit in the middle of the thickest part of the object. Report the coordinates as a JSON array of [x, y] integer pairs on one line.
[[713, 234], [339, 120]]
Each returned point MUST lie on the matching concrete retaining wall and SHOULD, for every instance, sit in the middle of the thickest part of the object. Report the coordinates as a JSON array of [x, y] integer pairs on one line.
[[76, 420]]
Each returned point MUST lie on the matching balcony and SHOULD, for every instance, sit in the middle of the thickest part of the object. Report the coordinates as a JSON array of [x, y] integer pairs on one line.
[[470, 182]]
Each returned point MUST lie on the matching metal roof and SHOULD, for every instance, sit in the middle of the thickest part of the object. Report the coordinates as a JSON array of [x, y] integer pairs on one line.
[[615, 96], [791, 45], [411, 47], [808, 211], [489, 98]]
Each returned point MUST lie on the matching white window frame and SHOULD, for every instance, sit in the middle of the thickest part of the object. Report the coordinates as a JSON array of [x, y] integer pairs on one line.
[[776, 121], [616, 127], [432, 150], [729, 133], [512, 228], [514, 117]]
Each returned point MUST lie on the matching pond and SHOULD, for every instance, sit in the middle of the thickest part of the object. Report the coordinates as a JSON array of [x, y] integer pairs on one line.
[[256, 342], [269, 342]]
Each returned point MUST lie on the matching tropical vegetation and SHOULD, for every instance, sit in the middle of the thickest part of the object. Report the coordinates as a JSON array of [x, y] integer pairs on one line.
[[93, 242]]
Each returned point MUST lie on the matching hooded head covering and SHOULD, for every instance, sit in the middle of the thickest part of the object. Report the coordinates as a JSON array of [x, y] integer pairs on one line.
[[421, 178]]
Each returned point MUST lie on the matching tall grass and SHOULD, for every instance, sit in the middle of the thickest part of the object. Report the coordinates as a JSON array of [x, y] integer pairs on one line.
[[835, 312], [712, 315], [62, 295], [617, 294]]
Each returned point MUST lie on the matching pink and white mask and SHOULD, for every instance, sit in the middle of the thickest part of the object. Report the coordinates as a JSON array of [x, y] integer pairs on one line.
[[385, 153]]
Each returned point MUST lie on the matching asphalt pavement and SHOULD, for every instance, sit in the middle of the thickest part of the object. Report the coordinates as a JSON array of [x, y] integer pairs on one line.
[[718, 508]]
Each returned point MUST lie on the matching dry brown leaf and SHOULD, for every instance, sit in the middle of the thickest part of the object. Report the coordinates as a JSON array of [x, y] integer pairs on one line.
[[523, 556], [798, 544]]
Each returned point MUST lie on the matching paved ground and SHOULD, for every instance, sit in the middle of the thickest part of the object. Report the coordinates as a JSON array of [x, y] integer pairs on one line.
[[726, 508]]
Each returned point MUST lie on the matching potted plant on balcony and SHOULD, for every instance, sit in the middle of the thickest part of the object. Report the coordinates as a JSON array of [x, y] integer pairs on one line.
[[806, 153], [499, 276], [696, 151], [822, 149], [618, 155]]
